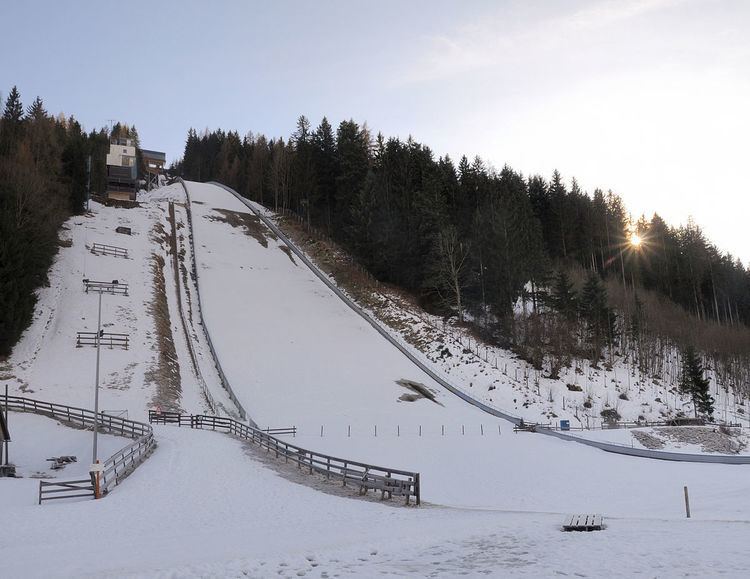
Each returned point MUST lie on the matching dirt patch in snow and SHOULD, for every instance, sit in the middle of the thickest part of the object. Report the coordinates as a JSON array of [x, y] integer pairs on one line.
[[648, 440], [252, 224], [166, 371], [289, 254], [417, 391], [709, 438]]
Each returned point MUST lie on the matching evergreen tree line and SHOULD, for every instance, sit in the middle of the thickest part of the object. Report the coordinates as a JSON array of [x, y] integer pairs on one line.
[[496, 247], [411, 218], [42, 182]]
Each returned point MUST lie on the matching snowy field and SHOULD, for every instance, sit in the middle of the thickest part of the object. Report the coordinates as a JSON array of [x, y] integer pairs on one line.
[[206, 505], [37, 438], [202, 506]]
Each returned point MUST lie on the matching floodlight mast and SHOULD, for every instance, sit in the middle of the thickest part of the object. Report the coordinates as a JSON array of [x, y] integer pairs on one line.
[[96, 381], [100, 289]]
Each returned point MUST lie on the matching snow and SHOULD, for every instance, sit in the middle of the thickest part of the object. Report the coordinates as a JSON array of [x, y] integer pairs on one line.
[[294, 353], [46, 364], [171, 519], [37, 438], [207, 505]]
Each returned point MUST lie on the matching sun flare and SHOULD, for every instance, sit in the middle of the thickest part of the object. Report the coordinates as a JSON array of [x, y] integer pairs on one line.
[[635, 240]]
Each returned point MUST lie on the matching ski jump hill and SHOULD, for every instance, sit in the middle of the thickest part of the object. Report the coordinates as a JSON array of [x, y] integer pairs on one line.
[[258, 336]]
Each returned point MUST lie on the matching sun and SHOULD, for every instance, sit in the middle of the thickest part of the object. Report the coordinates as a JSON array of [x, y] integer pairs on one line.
[[635, 240]]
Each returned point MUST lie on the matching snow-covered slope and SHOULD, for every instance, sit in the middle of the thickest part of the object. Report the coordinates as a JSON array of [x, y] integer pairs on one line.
[[294, 352], [156, 370], [205, 505]]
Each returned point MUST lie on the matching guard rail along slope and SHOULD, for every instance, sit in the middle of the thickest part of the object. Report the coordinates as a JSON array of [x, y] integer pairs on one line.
[[405, 350], [389, 482], [224, 381], [115, 468]]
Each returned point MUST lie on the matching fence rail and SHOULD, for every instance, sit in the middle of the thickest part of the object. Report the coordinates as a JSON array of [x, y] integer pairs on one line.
[[116, 467], [103, 249], [365, 477], [105, 287], [49, 491], [107, 339]]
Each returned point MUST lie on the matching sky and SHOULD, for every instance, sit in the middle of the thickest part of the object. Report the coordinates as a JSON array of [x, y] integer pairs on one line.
[[648, 98]]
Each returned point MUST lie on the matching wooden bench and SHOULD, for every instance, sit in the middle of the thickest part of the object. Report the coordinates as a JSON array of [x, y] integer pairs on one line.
[[582, 523]]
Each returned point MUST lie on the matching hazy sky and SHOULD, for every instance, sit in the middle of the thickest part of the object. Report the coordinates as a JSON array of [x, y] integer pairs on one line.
[[650, 98]]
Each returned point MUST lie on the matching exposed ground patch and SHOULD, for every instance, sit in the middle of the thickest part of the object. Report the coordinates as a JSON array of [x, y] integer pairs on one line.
[[166, 371], [289, 254], [709, 438], [417, 391], [252, 224]]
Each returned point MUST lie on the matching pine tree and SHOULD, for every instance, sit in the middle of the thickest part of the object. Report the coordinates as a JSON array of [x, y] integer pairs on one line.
[[597, 315], [694, 384], [36, 112], [563, 298], [12, 123]]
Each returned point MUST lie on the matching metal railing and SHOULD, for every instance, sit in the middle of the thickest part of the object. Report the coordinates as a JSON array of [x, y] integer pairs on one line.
[[106, 339], [389, 482], [109, 287], [103, 249], [116, 467]]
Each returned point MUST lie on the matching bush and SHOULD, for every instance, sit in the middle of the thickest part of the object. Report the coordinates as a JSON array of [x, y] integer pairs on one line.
[[610, 415]]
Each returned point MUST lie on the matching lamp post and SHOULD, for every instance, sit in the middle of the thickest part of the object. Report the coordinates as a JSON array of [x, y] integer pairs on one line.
[[96, 381], [112, 287]]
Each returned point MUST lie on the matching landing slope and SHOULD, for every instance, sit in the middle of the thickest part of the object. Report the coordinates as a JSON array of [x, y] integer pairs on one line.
[[294, 353]]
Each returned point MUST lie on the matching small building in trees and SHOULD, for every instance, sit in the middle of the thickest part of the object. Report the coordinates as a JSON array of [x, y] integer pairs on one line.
[[122, 169], [153, 167]]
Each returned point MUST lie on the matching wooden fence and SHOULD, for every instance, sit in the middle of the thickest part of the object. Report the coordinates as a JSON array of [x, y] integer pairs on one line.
[[115, 468], [388, 482], [103, 249], [106, 339], [105, 287], [70, 489]]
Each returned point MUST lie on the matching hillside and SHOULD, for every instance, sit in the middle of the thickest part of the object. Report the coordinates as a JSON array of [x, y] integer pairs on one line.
[[205, 504]]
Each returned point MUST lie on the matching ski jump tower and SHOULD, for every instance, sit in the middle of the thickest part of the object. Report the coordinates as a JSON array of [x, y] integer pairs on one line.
[[153, 166]]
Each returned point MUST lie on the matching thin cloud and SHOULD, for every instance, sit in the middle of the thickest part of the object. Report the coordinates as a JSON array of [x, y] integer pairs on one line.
[[495, 40]]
